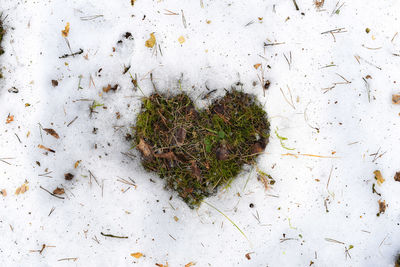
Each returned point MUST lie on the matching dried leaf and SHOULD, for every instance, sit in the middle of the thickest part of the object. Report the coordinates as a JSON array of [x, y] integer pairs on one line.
[[190, 264], [180, 136], [222, 153], [69, 176], [59, 191], [196, 171], [145, 148], [151, 41], [176, 218], [248, 256], [10, 118], [256, 66], [22, 189], [109, 87], [52, 132], [382, 206], [46, 148], [396, 99], [257, 148], [397, 177], [4, 192], [65, 32], [54, 83], [137, 255], [162, 265], [181, 39], [379, 178], [77, 164], [133, 2]]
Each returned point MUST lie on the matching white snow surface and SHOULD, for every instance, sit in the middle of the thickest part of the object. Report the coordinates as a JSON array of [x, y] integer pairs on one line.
[[289, 224]]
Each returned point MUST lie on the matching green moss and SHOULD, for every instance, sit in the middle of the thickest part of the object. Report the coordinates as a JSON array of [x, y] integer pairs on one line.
[[197, 151], [398, 261]]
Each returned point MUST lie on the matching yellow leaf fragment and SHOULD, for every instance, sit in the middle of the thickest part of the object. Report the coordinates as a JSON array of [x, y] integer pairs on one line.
[[3, 192], [137, 255], [77, 164], [256, 66], [176, 218], [181, 39], [65, 32], [379, 178], [151, 41], [396, 99], [9, 119], [59, 191], [162, 265], [190, 264], [22, 189]]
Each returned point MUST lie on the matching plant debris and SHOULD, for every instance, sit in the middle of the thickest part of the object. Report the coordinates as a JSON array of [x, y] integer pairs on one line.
[[137, 255], [151, 41], [397, 177], [59, 191], [197, 151], [52, 132], [378, 177], [382, 207], [22, 189]]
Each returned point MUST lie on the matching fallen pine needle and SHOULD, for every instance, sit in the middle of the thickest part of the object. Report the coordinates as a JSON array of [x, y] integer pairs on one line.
[[234, 224]]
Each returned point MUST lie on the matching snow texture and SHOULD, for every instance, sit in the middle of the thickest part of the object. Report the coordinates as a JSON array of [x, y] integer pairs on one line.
[[289, 225]]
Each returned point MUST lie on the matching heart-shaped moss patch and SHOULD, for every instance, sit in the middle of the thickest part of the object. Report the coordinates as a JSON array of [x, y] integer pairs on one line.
[[197, 151]]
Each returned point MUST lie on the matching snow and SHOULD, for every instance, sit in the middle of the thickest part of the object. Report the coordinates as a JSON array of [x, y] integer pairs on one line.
[[217, 54]]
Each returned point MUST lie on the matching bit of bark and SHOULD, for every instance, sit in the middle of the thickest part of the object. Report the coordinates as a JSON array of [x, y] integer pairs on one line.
[[52, 132]]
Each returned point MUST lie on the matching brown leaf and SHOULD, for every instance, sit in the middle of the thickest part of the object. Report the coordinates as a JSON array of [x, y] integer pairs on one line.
[[257, 148], [3, 192], [109, 87], [196, 171], [382, 206], [397, 177], [144, 148], [54, 83], [180, 136], [190, 264], [248, 256], [65, 32], [396, 99], [52, 132], [59, 191], [68, 176], [256, 66]]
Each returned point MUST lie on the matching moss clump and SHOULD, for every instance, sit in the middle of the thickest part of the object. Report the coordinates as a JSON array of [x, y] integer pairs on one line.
[[197, 151], [397, 264]]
